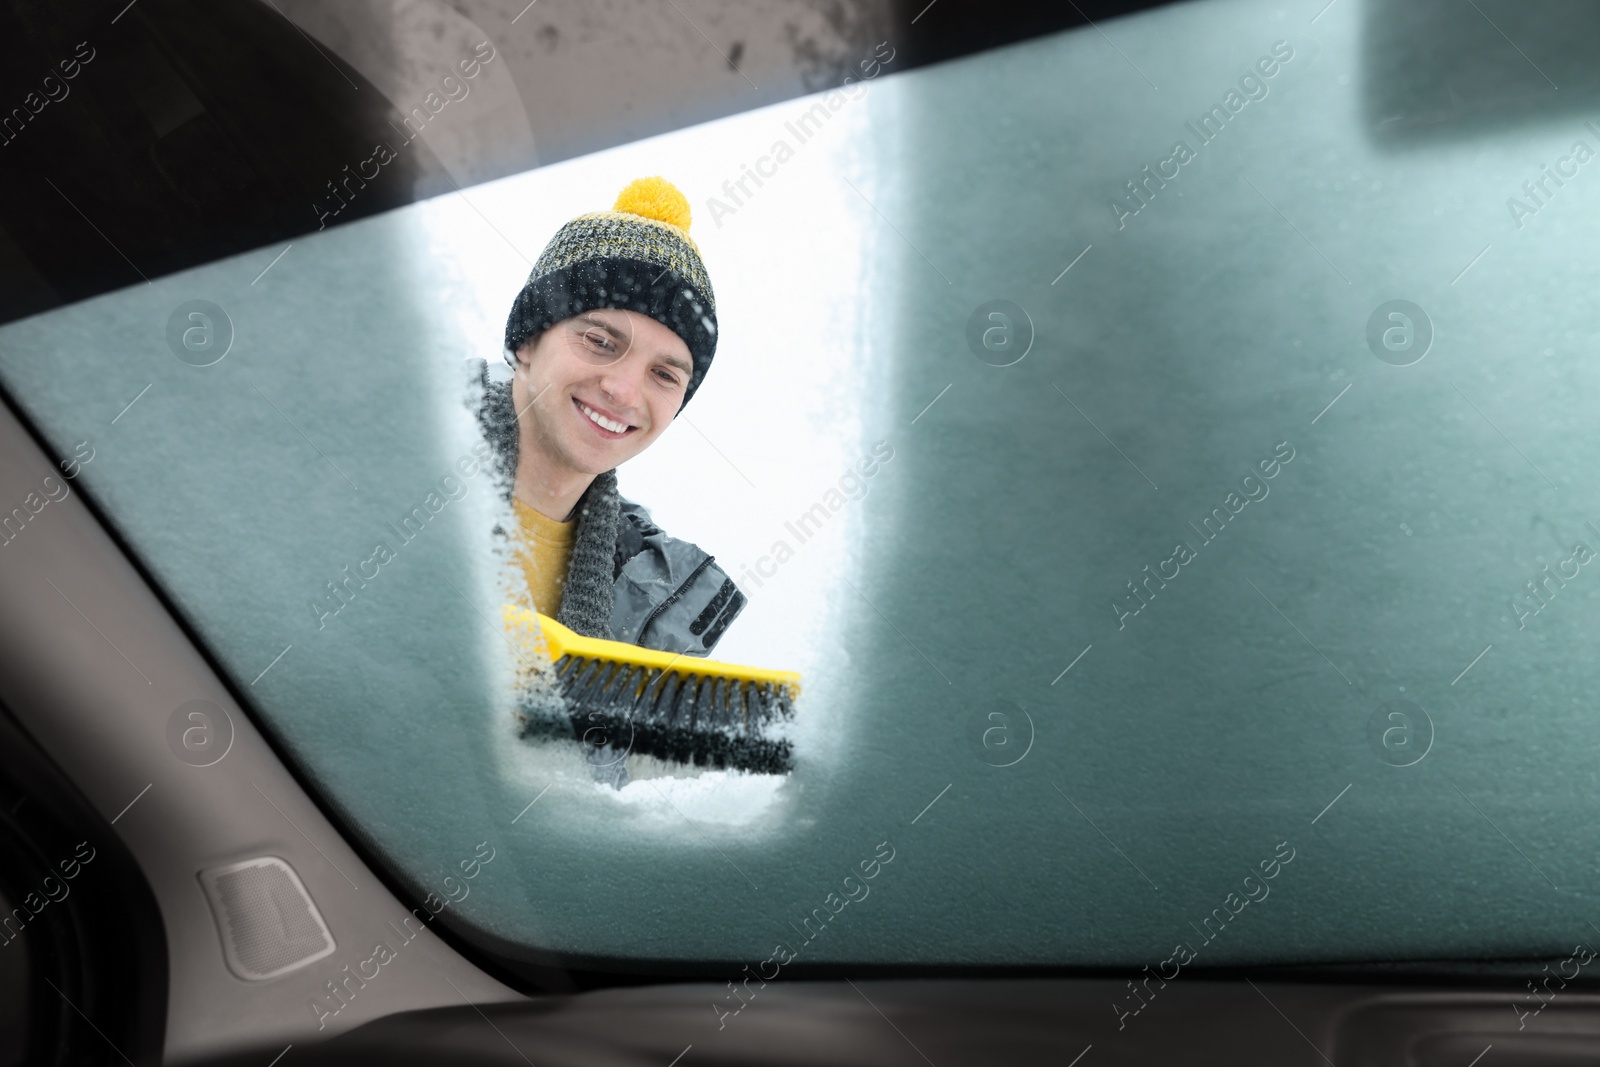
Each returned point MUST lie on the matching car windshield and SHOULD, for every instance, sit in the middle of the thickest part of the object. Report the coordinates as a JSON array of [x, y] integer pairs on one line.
[[1220, 578]]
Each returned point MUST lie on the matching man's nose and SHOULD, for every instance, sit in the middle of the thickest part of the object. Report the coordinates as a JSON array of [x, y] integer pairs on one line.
[[619, 381]]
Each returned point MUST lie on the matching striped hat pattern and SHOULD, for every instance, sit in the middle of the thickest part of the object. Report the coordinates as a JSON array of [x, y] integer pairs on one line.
[[637, 256]]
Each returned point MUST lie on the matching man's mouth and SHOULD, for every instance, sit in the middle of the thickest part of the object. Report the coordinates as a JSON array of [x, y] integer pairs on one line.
[[604, 425]]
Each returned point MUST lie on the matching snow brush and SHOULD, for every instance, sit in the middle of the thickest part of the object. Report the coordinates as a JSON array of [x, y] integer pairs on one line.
[[669, 705]]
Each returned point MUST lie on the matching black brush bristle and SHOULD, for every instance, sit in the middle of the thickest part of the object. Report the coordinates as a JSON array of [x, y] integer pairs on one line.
[[695, 718]]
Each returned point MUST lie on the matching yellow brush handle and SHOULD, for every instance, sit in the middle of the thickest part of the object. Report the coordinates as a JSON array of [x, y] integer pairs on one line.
[[562, 641]]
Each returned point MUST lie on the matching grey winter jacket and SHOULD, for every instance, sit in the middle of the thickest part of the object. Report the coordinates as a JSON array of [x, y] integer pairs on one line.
[[627, 579]]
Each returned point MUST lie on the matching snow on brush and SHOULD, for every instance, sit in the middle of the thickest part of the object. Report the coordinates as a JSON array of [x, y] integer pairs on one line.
[[658, 797]]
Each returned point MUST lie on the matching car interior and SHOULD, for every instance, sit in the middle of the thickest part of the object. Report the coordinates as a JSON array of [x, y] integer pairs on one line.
[[1172, 613]]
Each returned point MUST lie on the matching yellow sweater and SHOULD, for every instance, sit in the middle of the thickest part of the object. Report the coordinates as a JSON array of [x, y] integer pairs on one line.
[[542, 551]]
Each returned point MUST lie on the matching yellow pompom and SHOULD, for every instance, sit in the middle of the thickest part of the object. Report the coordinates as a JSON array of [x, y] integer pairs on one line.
[[655, 198]]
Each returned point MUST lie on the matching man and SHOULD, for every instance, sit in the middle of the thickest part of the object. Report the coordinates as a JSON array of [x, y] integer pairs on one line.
[[608, 340]]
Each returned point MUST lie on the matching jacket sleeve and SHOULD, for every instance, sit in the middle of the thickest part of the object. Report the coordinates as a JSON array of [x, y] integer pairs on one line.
[[672, 596], [713, 618]]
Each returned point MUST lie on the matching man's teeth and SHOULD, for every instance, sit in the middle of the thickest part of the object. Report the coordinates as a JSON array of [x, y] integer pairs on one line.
[[601, 420]]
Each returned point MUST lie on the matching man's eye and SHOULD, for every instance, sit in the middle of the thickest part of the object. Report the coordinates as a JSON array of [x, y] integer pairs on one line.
[[598, 339], [668, 377]]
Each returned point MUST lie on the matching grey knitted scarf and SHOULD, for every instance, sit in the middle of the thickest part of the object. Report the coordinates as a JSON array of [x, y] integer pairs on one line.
[[586, 592]]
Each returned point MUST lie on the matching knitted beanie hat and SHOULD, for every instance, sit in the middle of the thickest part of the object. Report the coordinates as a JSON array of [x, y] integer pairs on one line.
[[637, 256]]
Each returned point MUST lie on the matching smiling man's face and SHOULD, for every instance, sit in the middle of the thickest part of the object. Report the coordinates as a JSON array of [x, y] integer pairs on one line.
[[626, 368]]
